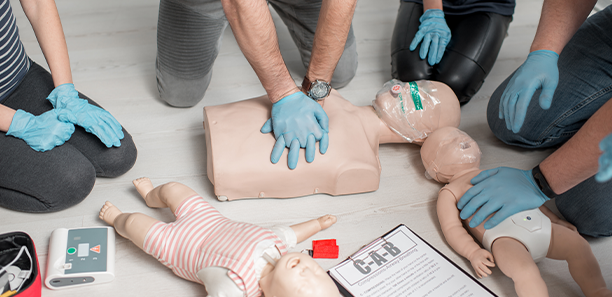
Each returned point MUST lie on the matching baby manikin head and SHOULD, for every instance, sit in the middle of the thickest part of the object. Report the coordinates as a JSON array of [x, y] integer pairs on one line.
[[297, 275], [415, 109], [448, 151]]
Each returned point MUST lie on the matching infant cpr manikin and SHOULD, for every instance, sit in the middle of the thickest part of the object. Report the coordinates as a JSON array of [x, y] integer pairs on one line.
[[238, 154], [452, 157]]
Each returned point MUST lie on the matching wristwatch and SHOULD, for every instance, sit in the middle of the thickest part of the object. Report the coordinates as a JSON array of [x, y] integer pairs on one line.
[[317, 90], [542, 183]]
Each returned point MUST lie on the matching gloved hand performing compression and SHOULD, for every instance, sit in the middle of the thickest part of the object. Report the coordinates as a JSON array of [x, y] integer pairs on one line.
[[539, 71], [504, 190], [42, 132], [435, 34], [78, 111], [297, 122]]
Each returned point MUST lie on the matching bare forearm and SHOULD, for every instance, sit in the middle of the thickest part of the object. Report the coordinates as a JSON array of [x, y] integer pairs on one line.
[[45, 21], [577, 159], [432, 4], [559, 21], [254, 30], [6, 117], [332, 30]]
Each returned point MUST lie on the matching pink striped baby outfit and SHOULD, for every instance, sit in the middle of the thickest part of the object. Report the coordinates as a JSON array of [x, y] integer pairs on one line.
[[202, 237]]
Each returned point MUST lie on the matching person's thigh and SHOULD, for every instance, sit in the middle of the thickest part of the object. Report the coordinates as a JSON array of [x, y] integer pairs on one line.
[[108, 162], [585, 84], [588, 207], [301, 18], [189, 34], [472, 51], [407, 65], [34, 181]]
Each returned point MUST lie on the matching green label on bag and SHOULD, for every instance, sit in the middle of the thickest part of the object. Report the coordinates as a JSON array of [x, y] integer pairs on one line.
[[416, 98]]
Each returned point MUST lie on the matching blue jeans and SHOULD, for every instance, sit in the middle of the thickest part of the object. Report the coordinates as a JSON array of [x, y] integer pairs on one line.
[[585, 84]]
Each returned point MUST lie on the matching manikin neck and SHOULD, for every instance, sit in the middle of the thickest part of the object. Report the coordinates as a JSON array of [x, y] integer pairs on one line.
[[387, 135], [269, 266], [462, 173]]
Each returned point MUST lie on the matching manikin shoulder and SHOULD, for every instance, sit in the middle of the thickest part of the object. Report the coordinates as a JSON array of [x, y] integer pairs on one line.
[[460, 185]]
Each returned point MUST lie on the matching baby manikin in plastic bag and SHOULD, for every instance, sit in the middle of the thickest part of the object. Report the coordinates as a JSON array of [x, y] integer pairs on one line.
[[415, 109]]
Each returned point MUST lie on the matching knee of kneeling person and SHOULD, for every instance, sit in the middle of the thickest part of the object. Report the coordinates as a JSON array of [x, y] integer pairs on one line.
[[526, 137], [179, 92], [342, 77], [345, 72], [75, 186], [116, 161], [462, 86], [595, 227], [407, 68]]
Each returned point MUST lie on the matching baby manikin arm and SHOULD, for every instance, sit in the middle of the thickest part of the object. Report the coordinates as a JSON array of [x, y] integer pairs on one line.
[[455, 233], [218, 283]]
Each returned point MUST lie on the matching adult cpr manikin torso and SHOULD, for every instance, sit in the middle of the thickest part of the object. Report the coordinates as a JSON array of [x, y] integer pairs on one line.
[[238, 154]]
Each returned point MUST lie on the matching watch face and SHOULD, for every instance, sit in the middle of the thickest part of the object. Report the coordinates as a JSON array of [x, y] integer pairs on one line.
[[319, 90]]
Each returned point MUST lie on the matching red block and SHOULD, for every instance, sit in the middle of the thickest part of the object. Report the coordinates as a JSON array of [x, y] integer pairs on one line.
[[323, 242], [325, 249]]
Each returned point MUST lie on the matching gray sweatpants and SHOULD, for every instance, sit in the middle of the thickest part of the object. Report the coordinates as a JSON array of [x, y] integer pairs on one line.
[[189, 34]]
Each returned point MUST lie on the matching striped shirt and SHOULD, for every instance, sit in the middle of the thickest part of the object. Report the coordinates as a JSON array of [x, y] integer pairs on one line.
[[14, 62], [201, 237]]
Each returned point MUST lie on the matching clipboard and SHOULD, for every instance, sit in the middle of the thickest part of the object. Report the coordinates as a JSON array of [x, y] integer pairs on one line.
[[400, 264]]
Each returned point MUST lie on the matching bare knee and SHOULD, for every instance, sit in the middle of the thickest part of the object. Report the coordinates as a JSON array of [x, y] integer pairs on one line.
[[174, 190], [171, 189], [131, 219]]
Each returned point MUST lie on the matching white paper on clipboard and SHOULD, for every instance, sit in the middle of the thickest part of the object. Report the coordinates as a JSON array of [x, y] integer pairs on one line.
[[401, 264]]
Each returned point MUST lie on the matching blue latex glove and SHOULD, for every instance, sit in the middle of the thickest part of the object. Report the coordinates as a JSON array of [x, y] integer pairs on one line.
[[42, 132], [78, 111], [434, 33], [539, 71], [605, 160], [504, 190], [297, 122]]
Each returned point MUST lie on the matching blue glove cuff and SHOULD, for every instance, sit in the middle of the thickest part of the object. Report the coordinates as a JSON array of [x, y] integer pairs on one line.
[[60, 92], [544, 53], [432, 13], [288, 98], [19, 123]]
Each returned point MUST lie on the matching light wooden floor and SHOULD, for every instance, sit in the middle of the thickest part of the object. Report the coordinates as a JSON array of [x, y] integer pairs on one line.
[[112, 47]]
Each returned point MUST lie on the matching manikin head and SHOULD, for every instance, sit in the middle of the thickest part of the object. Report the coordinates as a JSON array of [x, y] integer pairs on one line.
[[415, 109], [447, 152], [297, 275]]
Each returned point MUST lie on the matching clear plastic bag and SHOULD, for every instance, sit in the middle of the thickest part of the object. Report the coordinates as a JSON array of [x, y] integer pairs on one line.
[[455, 152], [414, 109]]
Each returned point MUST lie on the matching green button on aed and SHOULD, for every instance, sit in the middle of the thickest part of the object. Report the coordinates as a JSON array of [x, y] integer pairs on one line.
[[71, 250]]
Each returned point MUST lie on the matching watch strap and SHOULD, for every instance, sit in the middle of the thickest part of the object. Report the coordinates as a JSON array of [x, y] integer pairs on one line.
[[542, 183], [306, 83]]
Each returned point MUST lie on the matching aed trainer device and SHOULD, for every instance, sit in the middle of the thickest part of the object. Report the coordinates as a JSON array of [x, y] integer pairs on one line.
[[80, 256]]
